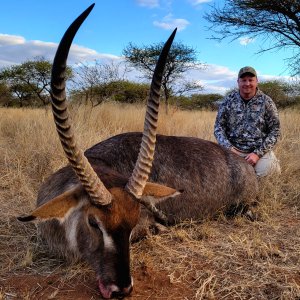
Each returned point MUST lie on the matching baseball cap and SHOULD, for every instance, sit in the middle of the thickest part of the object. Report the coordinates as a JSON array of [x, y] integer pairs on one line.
[[247, 69]]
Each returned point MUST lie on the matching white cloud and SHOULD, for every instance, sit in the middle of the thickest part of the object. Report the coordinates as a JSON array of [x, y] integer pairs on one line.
[[214, 78], [214, 89], [244, 41], [16, 49], [6, 39], [265, 77], [197, 2], [213, 73], [168, 22], [148, 3]]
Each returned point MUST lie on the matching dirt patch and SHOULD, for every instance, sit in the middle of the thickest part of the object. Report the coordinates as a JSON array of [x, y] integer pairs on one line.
[[148, 284], [47, 287]]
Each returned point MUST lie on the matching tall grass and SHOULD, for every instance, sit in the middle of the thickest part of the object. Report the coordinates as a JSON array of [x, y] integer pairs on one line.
[[223, 259]]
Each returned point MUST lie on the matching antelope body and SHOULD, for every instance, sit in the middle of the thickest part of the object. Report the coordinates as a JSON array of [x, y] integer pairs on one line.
[[121, 187], [211, 179]]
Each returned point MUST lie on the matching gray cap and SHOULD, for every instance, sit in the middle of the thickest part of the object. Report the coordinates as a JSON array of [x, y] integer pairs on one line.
[[246, 70]]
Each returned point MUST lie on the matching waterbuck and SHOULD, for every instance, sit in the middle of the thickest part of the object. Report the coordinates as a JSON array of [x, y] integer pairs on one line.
[[129, 183]]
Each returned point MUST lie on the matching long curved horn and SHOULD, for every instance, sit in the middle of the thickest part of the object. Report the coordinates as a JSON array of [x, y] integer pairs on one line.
[[88, 177], [140, 174]]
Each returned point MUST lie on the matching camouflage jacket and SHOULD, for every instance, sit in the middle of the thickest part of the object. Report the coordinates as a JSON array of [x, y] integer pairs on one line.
[[250, 127]]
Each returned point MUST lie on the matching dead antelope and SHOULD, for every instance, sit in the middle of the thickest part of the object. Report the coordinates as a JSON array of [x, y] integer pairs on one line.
[[90, 208]]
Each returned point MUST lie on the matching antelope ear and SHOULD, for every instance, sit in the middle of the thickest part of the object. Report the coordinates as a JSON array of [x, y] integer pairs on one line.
[[155, 193], [58, 207]]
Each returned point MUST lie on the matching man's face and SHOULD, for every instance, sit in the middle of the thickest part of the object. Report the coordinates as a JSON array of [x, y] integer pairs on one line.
[[247, 86]]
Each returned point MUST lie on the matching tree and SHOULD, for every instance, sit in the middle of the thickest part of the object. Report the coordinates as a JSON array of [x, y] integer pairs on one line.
[[120, 91], [92, 77], [198, 101], [30, 81], [124, 91], [5, 95], [276, 21], [181, 58], [23, 93], [283, 94], [277, 90]]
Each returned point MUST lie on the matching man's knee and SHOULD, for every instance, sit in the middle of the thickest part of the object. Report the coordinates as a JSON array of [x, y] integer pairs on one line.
[[267, 165]]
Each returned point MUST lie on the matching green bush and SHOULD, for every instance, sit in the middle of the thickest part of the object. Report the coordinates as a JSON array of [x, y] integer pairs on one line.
[[283, 94], [119, 91], [197, 101], [5, 95], [127, 92]]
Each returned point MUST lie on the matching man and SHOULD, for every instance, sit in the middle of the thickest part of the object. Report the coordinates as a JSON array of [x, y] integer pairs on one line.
[[248, 124]]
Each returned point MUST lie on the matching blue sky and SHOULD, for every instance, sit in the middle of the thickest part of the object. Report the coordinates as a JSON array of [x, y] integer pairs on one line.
[[30, 28]]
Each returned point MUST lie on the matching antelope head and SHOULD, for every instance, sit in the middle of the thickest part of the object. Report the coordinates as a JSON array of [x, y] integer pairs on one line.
[[100, 211]]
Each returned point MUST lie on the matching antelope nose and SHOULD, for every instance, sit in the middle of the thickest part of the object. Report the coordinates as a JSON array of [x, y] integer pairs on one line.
[[128, 290], [122, 293]]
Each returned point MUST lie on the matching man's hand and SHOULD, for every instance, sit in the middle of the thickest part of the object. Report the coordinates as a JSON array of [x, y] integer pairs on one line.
[[252, 159]]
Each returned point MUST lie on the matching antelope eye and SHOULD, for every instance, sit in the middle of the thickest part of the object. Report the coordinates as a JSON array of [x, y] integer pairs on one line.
[[93, 223]]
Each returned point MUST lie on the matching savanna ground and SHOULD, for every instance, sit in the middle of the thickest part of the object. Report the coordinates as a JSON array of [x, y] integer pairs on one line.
[[216, 259]]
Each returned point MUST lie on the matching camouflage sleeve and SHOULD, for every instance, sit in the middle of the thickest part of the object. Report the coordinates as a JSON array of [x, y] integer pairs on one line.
[[272, 128], [220, 126]]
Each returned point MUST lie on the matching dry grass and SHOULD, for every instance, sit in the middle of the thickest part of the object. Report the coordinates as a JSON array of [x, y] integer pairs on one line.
[[219, 259]]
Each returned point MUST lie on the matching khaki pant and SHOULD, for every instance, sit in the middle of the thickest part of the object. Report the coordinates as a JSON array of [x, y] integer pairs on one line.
[[266, 165]]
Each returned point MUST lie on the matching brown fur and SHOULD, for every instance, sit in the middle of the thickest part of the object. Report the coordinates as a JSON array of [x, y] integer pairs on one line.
[[212, 178]]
